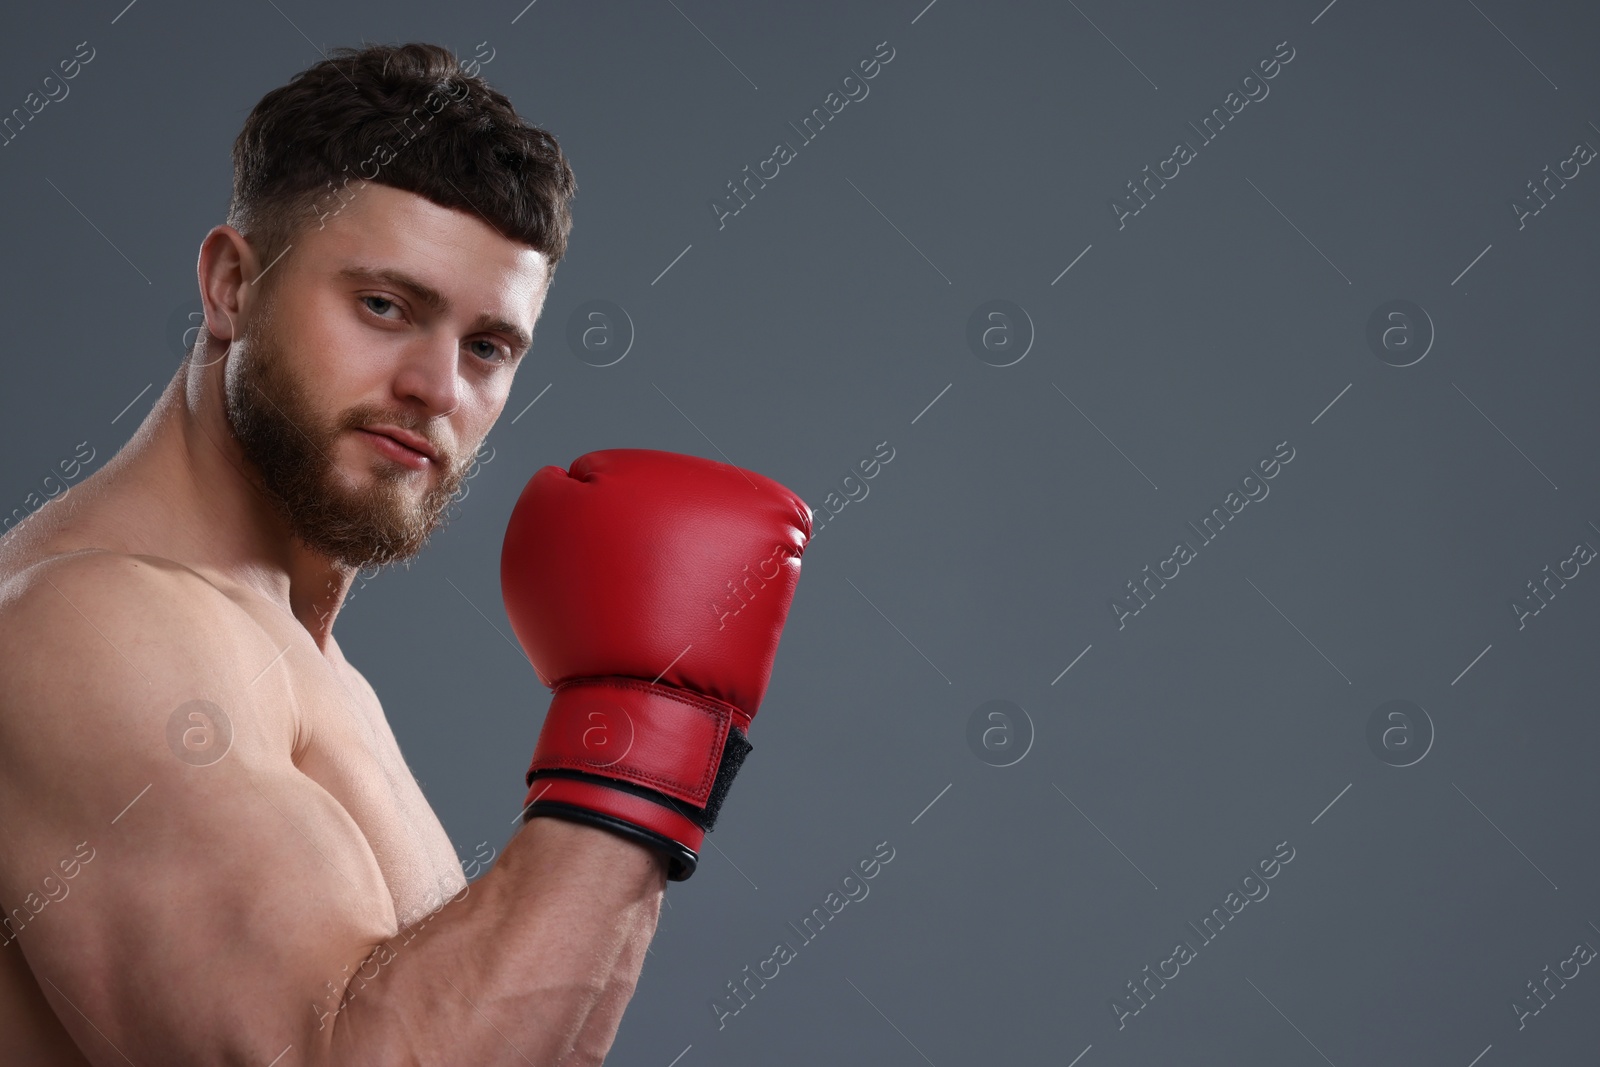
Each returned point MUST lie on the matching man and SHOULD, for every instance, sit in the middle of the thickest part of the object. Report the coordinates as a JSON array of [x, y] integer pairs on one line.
[[213, 850]]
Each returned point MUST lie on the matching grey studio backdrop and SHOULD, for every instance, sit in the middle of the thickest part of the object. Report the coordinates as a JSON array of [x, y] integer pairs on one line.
[[1372, 274]]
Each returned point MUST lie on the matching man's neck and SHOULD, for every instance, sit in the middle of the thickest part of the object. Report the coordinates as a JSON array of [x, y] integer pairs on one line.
[[181, 488]]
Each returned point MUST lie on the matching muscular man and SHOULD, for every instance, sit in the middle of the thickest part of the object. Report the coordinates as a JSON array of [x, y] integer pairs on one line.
[[212, 850]]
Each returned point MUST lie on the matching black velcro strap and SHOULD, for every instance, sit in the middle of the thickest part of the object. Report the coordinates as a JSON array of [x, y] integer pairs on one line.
[[733, 753]]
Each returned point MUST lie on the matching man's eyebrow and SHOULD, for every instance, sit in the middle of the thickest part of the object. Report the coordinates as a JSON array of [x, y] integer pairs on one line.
[[436, 301]]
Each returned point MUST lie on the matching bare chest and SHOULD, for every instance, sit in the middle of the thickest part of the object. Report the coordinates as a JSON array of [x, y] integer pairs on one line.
[[349, 749]]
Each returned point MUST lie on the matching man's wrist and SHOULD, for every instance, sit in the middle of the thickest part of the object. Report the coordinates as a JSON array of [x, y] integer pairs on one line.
[[679, 861], [574, 837]]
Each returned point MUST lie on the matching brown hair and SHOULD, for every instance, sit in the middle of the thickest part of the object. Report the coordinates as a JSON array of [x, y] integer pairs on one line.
[[408, 116]]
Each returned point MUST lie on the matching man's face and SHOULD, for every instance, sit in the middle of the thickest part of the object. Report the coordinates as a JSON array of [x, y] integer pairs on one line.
[[334, 359]]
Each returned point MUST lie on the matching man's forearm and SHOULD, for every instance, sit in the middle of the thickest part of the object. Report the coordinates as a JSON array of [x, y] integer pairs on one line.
[[594, 1042], [534, 965]]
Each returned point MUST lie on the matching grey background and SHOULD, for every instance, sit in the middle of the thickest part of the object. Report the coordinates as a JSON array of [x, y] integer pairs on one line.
[[1228, 716]]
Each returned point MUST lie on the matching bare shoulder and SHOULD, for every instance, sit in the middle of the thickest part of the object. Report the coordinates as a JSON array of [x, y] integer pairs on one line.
[[87, 636], [112, 578], [62, 598]]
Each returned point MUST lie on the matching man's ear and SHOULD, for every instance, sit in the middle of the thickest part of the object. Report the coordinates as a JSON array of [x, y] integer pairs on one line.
[[225, 270]]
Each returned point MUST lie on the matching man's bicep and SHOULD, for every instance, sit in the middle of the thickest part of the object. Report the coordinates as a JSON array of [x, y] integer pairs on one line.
[[178, 887]]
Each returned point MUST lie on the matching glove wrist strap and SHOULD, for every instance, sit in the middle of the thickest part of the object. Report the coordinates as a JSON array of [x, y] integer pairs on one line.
[[655, 759]]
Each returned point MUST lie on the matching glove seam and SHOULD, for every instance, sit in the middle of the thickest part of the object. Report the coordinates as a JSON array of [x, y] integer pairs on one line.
[[678, 806], [671, 692]]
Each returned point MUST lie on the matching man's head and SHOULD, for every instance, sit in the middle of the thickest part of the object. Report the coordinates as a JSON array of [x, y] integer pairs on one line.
[[389, 246]]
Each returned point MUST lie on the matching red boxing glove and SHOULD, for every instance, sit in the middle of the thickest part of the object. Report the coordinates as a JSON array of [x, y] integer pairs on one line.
[[649, 590]]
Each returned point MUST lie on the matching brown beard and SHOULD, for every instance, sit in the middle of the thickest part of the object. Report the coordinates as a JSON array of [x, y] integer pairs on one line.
[[289, 445]]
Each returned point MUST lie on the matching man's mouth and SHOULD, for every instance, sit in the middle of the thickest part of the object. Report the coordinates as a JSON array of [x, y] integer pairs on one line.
[[417, 456], [407, 439]]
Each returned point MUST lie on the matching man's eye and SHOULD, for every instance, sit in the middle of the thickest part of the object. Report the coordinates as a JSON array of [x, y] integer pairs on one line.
[[498, 353], [368, 300]]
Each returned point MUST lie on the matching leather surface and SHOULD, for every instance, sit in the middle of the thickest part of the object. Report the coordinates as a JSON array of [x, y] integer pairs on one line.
[[666, 739], [629, 563], [620, 805], [649, 589]]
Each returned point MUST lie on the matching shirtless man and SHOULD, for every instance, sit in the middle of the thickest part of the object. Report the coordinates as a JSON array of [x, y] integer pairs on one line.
[[212, 849]]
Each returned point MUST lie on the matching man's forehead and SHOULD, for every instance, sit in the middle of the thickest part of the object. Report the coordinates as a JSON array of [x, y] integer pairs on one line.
[[381, 224], [442, 256]]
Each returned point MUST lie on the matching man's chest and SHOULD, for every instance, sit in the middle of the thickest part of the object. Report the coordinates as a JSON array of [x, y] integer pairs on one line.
[[350, 751]]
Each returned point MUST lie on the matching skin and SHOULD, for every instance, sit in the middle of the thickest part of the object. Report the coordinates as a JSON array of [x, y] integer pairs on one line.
[[229, 907]]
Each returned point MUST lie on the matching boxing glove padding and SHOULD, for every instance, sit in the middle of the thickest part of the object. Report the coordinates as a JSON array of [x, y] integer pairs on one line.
[[608, 570]]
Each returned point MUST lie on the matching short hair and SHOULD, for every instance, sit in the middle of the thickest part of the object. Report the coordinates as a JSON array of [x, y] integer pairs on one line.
[[408, 116]]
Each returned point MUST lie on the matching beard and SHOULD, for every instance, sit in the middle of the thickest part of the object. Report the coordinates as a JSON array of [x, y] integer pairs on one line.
[[290, 444]]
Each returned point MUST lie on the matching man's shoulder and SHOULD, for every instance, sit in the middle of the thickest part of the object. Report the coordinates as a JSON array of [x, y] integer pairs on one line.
[[105, 656], [103, 578], [81, 610]]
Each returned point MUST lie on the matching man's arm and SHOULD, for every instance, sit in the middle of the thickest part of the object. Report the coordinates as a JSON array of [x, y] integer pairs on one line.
[[231, 907], [477, 984]]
